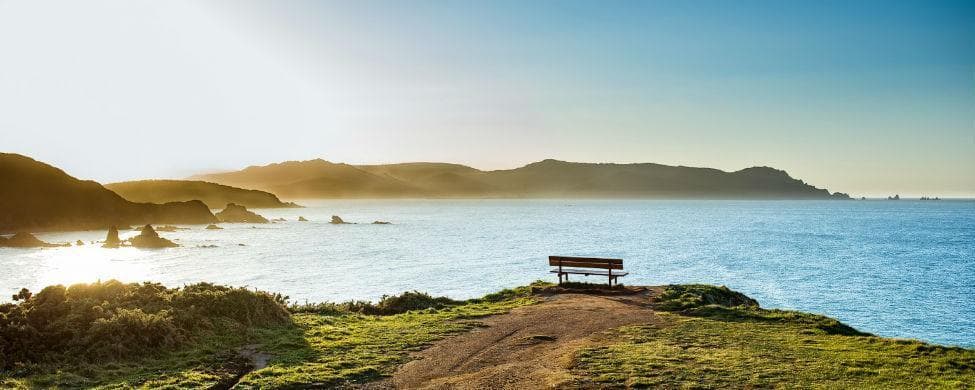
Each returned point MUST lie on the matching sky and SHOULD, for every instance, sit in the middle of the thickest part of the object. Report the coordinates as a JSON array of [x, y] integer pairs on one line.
[[869, 98]]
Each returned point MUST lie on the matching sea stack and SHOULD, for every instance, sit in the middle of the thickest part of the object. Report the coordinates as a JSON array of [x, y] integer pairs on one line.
[[148, 238], [112, 240], [237, 213]]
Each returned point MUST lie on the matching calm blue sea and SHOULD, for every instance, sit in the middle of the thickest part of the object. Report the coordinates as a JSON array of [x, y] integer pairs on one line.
[[893, 268]]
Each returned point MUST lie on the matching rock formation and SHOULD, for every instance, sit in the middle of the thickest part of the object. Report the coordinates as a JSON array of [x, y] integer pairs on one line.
[[112, 240], [214, 227], [148, 238], [25, 240], [336, 220], [381, 223], [237, 213], [302, 219]]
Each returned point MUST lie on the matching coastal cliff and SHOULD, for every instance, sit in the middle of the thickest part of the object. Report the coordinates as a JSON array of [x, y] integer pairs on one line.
[[38, 197]]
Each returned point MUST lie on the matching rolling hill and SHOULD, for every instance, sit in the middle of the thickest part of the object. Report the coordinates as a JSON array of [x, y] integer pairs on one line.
[[216, 196], [548, 178], [38, 197]]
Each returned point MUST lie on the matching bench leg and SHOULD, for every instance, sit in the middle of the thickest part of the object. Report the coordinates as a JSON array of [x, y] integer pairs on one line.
[[560, 279]]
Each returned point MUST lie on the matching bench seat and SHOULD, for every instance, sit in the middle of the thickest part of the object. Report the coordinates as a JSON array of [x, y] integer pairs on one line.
[[586, 266], [588, 272]]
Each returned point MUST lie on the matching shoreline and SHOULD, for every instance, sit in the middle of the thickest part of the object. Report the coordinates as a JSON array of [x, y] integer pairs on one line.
[[585, 336]]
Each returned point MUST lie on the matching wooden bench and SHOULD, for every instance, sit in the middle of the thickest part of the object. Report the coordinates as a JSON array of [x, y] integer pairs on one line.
[[586, 266]]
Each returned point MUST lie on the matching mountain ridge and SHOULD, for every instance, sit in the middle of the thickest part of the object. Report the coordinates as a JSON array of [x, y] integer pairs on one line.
[[320, 178], [216, 196]]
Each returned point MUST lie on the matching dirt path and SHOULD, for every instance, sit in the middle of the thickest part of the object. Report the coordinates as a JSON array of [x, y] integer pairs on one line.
[[529, 348]]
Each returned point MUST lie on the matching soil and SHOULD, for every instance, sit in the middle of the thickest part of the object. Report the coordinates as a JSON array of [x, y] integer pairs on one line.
[[529, 348]]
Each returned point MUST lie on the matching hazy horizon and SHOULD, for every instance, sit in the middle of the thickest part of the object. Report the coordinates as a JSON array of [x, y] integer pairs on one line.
[[871, 99]]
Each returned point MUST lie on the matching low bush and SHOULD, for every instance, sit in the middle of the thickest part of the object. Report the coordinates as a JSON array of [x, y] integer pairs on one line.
[[114, 320], [688, 296], [409, 301], [387, 305]]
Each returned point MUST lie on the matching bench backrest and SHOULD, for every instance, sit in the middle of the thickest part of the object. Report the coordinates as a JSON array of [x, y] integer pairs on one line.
[[585, 262]]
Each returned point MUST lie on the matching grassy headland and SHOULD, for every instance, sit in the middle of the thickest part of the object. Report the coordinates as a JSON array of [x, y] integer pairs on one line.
[[715, 338], [115, 335]]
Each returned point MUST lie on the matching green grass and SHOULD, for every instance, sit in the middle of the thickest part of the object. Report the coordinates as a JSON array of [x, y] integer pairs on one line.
[[711, 346], [334, 350], [709, 337], [323, 350]]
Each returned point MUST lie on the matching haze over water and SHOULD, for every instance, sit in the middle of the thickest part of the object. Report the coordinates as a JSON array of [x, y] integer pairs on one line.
[[902, 269]]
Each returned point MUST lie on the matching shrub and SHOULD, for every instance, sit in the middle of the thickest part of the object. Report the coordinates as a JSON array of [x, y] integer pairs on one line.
[[688, 296], [387, 305], [113, 320]]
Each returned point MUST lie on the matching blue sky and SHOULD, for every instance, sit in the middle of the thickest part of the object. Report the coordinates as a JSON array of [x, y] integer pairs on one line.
[[870, 98]]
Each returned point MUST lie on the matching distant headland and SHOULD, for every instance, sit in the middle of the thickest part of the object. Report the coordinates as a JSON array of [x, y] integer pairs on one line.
[[215, 196], [547, 178], [36, 196]]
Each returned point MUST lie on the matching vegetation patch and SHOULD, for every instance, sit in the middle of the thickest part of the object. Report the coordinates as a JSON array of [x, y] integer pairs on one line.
[[678, 297], [109, 321], [721, 339], [387, 305], [150, 336]]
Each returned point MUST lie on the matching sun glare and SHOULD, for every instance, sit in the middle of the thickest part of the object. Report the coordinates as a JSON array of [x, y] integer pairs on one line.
[[85, 264]]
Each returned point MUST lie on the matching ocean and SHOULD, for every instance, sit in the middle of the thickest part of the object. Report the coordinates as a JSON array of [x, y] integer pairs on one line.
[[892, 268]]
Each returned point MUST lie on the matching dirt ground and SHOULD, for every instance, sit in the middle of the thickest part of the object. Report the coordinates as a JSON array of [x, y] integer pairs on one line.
[[528, 348]]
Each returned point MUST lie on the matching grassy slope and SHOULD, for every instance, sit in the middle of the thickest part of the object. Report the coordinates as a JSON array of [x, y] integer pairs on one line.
[[318, 349], [331, 350], [703, 343], [711, 346]]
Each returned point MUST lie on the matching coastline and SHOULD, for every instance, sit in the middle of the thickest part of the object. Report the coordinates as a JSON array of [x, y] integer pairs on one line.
[[585, 336]]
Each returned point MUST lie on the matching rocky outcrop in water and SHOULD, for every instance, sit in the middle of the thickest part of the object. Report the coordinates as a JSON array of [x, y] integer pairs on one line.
[[214, 227], [381, 223], [26, 240], [302, 219], [237, 213], [148, 238], [112, 240], [336, 220]]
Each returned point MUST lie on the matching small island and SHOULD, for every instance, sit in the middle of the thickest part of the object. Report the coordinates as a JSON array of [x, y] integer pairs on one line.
[[239, 214]]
